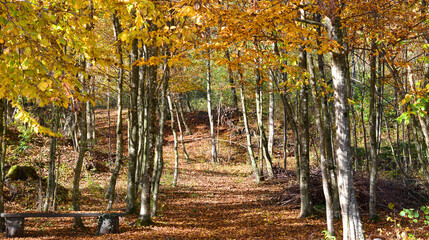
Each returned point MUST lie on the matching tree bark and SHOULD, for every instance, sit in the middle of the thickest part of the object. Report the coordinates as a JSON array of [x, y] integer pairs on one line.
[[110, 193], [352, 225], [231, 80], [304, 146], [159, 160], [3, 127], [145, 217], [320, 124], [179, 109], [52, 159], [271, 120], [181, 132], [263, 137], [373, 137], [133, 124], [248, 134], [209, 110], [176, 142], [79, 163]]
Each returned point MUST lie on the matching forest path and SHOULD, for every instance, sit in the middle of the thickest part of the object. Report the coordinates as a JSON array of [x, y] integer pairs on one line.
[[219, 201], [214, 201]]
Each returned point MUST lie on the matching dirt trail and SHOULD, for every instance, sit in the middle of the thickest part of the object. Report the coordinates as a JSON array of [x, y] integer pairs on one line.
[[223, 202]]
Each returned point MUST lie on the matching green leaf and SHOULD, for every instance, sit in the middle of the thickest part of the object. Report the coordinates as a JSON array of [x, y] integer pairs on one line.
[[402, 213], [62, 41], [391, 206]]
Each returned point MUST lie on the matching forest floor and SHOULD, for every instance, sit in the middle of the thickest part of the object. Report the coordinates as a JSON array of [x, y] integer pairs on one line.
[[211, 201]]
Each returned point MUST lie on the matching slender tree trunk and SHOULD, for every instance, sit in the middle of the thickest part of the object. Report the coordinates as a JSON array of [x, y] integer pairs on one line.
[[395, 159], [209, 109], [322, 146], [271, 120], [75, 131], [79, 163], [3, 127], [417, 143], [373, 138], [284, 100], [145, 217], [248, 134], [142, 120], [249, 138], [326, 119], [89, 121], [83, 144], [159, 160], [352, 225], [110, 193], [179, 109], [231, 80], [219, 109], [176, 143], [109, 125], [52, 159], [57, 176], [181, 132], [133, 135], [304, 176], [263, 137]]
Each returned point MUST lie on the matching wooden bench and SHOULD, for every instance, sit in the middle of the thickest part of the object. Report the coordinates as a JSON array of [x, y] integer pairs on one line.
[[107, 222]]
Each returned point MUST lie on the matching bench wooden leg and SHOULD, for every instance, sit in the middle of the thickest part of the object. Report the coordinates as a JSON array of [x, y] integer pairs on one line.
[[108, 223], [14, 227]]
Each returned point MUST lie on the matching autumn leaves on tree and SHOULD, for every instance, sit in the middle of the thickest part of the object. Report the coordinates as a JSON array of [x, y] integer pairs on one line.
[[317, 57]]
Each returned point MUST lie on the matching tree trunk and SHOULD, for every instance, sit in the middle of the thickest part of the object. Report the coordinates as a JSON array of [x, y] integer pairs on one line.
[[110, 193], [352, 225], [373, 137], [145, 217], [231, 80], [284, 102], [52, 159], [109, 124], [179, 109], [326, 119], [3, 127], [209, 110], [176, 143], [271, 120], [88, 122], [83, 144], [249, 138], [320, 124], [181, 132], [79, 163], [133, 124], [263, 138], [248, 134], [304, 146], [141, 115], [159, 160]]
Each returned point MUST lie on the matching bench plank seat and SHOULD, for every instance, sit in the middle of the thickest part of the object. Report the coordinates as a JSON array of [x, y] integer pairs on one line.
[[107, 222], [54, 214]]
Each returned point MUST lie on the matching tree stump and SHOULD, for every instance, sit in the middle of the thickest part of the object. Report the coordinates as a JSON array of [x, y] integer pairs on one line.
[[14, 227], [108, 223]]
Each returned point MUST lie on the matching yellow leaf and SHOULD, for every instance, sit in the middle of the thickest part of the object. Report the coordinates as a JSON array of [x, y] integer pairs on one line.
[[43, 86]]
